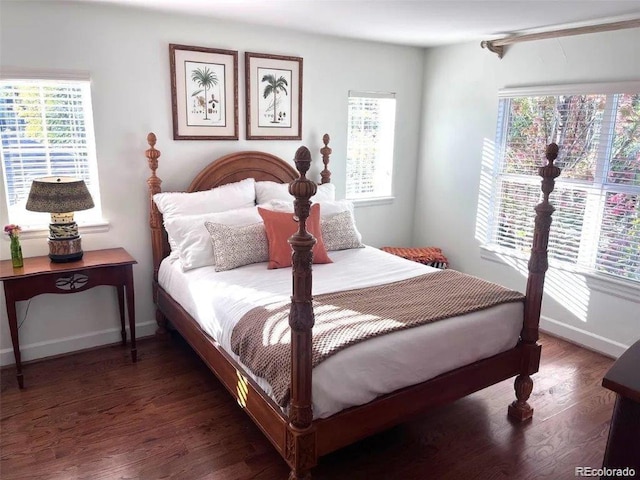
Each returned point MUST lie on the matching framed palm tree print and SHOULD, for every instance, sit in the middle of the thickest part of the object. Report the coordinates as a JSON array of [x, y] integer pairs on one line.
[[274, 97], [204, 93]]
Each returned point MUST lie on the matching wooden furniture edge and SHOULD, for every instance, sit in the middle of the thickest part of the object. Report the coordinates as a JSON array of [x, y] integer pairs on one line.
[[623, 377], [7, 271]]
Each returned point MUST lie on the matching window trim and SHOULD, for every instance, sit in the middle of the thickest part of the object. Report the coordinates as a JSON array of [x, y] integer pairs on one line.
[[372, 202], [604, 88], [599, 281], [14, 73], [375, 199], [42, 230], [97, 223], [611, 284]]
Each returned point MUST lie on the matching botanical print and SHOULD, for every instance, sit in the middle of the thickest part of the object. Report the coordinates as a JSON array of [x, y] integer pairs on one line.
[[204, 93], [274, 96], [274, 99], [205, 99]]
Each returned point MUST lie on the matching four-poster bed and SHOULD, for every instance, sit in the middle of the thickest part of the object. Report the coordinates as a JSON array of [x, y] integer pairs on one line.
[[299, 437]]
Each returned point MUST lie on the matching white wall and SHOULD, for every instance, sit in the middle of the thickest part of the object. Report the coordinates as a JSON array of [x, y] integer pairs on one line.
[[126, 52], [460, 115]]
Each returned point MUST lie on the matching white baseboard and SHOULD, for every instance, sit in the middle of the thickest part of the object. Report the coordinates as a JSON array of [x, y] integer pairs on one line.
[[71, 344], [589, 340]]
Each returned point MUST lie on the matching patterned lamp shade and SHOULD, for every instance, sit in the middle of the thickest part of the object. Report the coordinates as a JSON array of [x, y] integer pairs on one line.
[[58, 195], [61, 196]]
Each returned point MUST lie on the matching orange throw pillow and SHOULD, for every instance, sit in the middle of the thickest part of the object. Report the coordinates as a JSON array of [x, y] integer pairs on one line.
[[279, 226]]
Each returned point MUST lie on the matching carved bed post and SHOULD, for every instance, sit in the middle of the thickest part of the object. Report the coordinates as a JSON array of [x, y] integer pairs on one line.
[[325, 151], [300, 447], [155, 222], [520, 410]]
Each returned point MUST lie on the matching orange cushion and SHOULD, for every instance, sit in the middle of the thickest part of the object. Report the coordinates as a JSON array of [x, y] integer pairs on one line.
[[426, 255], [279, 226]]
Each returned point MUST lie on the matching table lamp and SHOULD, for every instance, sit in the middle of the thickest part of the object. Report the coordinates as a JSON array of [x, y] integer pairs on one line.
[[61, 197]]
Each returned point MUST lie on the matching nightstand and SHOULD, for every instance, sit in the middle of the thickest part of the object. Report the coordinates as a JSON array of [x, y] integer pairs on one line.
[[623, 445], [40, 275]]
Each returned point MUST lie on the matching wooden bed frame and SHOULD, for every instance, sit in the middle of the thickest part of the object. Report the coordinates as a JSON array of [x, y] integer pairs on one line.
[[297, 437]]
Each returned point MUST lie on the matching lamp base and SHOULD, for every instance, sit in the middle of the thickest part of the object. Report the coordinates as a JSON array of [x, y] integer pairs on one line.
[[74, 257], [65, 250]]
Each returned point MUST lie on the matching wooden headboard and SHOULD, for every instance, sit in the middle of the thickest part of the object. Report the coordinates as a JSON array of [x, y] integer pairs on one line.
[[227, 169]]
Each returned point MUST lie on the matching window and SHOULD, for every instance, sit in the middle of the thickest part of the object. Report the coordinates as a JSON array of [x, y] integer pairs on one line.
[[46, 127], [596, 226], [371, 124]]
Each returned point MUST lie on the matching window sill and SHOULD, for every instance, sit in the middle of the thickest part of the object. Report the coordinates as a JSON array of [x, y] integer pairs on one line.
[[371, 202], [626, 289], [38, 231]]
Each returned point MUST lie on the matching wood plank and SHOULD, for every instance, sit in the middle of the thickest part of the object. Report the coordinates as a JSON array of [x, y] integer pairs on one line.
[[95, 415]]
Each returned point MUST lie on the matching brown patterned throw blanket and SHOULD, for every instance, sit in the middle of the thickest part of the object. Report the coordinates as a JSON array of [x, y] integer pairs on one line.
[[262, 336]]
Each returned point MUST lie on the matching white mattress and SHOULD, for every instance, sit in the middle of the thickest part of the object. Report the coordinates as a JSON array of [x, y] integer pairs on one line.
[[362, 372]]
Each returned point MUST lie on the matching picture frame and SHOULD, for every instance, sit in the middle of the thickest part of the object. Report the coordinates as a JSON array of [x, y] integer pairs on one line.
[[204, 93], [273, 96]]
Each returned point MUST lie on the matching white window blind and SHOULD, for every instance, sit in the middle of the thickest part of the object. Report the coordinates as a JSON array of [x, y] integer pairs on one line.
[[596, 225], [46, 128], [370, 139]]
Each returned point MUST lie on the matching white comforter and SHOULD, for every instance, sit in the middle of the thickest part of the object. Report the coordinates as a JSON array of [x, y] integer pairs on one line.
[[360, 373]]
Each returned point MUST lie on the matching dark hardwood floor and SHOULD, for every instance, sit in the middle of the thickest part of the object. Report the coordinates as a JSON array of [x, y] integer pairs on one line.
[[95, 415]]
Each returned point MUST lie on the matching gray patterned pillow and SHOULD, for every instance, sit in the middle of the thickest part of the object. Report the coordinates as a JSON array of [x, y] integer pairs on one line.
[[235, 246], [339, 232]]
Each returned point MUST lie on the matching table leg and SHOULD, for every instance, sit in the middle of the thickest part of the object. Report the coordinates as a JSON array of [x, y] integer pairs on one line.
[[123, 333], [13, 327], [131, 311]]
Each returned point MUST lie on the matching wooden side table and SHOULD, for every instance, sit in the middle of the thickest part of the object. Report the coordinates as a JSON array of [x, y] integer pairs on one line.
[[623, 445], [40, 275]]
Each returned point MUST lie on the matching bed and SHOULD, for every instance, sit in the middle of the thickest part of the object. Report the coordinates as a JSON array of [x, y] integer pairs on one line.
[[341, 400]]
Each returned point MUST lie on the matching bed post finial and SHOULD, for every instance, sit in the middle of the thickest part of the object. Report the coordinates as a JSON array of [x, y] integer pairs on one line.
[[300, 444], [325, 151], [520, 410], [152, 153]]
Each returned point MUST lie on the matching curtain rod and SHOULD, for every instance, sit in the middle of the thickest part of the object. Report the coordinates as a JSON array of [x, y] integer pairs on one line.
[[497, 46]]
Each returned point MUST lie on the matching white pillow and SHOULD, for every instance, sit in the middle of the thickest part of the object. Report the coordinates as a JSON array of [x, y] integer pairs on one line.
[[267, 191], [278, 206], [189, 234], [226, 197], [235, 246], [327, 207], [332, 207]]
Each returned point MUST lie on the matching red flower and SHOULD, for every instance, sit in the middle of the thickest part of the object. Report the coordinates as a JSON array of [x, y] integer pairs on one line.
[[12, 230]]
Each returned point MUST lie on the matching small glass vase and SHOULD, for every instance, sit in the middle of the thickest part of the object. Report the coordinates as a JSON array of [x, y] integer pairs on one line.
[[16, 253]]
